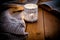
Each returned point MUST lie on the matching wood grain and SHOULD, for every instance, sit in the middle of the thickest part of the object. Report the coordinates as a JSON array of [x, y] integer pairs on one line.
[[51, 26]]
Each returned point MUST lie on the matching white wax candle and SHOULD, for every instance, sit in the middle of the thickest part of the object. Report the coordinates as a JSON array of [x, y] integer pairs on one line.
[[30, 6], [31, 10]]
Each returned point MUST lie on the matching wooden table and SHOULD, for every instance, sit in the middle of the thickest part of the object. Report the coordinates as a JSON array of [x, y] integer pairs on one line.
[[46, 28]]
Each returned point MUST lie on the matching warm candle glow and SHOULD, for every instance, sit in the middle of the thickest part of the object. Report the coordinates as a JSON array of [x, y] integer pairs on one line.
[[32, 16], [22, 15]]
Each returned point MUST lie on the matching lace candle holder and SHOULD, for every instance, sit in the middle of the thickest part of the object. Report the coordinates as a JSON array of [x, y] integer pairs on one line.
[[31, 12]]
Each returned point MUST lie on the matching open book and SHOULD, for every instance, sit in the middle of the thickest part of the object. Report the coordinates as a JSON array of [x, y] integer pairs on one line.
[[50, 6]]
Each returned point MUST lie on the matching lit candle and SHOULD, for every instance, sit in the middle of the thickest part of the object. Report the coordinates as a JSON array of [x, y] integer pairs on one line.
[[31, 10]]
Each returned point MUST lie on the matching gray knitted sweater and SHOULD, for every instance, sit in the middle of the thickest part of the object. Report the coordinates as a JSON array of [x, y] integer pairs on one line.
[[10, 24]]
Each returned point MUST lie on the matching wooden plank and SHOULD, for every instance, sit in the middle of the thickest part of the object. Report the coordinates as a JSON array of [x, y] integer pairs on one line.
[[51, 26]]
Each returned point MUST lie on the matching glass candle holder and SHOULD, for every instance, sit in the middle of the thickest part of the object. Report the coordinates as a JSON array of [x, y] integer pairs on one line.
[[31, 12]]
